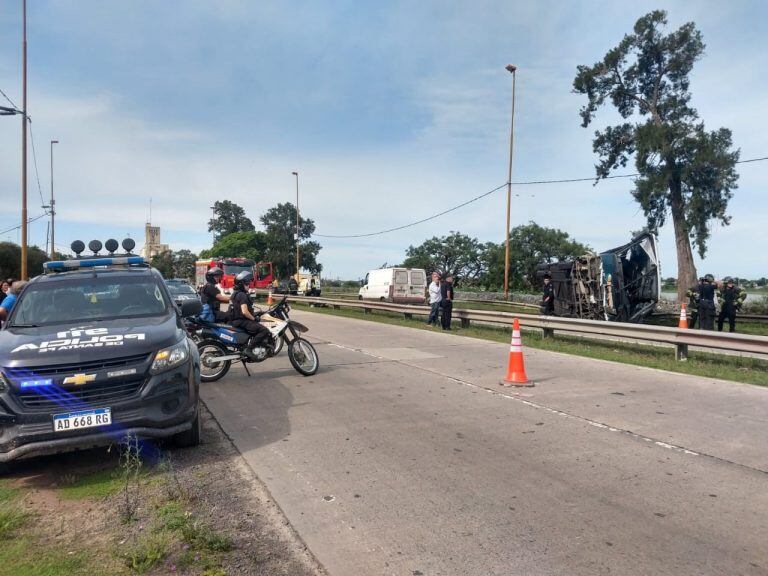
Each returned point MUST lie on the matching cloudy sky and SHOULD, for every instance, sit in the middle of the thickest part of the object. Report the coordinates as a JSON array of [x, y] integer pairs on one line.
[[390, 111]]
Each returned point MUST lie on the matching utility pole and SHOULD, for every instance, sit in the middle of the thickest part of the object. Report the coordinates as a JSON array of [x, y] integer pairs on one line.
[[511, 69], [297, 227], [53, 207], [24, 274]]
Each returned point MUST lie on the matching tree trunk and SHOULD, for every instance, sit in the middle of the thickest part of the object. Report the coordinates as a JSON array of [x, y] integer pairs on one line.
[[686, 269]]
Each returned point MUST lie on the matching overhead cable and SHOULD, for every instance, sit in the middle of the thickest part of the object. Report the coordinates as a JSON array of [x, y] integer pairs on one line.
[[476, 198]]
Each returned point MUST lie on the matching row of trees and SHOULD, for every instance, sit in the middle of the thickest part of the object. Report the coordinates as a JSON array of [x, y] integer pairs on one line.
[[481, 264], [10, 260], [236, 236]]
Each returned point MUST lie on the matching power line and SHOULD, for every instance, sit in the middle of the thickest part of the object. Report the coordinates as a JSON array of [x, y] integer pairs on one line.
[[476, 198], [9, 100], [29, 221], [34, 160]]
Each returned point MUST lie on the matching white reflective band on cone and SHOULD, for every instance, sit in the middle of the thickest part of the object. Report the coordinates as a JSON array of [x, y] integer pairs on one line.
[[517, 348]]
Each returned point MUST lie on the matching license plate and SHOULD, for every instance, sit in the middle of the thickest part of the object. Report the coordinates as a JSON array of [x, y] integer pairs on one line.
[[82, 419]]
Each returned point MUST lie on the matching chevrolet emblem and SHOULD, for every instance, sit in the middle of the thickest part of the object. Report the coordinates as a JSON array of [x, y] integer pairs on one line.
[[79, 379]]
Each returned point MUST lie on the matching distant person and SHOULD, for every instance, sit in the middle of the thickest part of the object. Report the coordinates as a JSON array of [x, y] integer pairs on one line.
[[10, 300], [4, 288], [434, 299], [446, 302], [547, 296], [694, 294], [707, 303], [731, 297], [293, 286]]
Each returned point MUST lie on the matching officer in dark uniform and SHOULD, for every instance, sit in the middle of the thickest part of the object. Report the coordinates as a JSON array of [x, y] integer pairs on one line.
[[693, 303], [446, 302], [707, 303], [547, 296], [211, 296], [243, 316], [731, 299]]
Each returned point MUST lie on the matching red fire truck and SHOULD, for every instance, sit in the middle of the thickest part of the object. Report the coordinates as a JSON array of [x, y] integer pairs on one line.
[[263, 275]]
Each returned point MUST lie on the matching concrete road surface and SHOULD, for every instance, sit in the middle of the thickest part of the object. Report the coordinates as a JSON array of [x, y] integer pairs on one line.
[[404, 456]]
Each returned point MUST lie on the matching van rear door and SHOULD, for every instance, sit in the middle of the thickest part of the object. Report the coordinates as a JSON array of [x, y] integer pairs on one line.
[[417, 285], [401, 286]]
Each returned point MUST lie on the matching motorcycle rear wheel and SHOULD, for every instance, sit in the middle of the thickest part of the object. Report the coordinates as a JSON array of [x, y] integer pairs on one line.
[[210, 372], [303, 357]]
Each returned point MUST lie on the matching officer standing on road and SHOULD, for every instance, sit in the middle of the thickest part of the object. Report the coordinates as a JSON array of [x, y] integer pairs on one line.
[[731, 297], [210, 295], [446, 302], [547, 296], [707, 303], [434, 299], [694, 294]]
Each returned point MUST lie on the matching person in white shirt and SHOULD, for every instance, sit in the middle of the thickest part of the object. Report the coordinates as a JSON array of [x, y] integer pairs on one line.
[[434, 299]]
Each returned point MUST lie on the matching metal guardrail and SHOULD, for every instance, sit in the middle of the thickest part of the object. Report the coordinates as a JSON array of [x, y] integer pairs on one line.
[[681, 339]]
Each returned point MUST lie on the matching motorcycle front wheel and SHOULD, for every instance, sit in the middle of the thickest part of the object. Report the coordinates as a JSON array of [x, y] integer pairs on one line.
[[303, 357], [211, 371]]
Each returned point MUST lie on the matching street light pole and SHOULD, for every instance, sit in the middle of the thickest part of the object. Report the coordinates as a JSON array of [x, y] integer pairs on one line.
[[53, 206], [511, 69], [297, 226], [24, 143]]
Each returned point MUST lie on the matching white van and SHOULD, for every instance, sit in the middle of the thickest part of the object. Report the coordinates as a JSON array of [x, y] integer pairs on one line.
[[401, 285]]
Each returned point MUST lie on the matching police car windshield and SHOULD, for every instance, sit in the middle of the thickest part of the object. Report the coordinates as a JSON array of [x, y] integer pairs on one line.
[[88, 299], [177, 288]]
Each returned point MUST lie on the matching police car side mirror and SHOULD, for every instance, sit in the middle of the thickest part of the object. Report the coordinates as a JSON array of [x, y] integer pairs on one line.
[[191, 308]]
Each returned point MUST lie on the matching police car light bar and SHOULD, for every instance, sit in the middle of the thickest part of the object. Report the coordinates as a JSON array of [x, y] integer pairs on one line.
[[61, 265]]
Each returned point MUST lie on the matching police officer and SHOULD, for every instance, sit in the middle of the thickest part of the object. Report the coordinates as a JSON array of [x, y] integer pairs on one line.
[[707, 303], [694, 294], [243, 316], [547, 296], [731, 298], [210, 295]]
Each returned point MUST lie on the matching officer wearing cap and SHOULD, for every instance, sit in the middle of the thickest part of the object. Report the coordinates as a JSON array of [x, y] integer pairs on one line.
[[694, 294], [707, 303], [732, 298], [210, 295]]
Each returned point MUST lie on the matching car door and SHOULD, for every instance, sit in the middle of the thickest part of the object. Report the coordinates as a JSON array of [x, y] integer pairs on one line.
[[417, 285], [401, 286]]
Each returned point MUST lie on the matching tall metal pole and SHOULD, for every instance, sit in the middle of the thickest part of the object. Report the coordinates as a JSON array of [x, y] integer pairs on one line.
[[53, 207], [297, 226], [24, 143], [511, 69]]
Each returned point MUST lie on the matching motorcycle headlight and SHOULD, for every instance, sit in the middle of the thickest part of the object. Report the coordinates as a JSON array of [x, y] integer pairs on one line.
[[170, 357]]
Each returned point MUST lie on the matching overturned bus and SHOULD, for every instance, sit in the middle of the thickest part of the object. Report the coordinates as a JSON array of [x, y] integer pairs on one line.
[[622, 284]]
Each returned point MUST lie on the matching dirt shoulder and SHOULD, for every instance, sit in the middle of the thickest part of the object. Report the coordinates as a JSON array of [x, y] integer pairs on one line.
[[197, 511]]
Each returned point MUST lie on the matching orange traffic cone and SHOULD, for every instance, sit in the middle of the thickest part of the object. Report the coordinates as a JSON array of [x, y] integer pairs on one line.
[[269, 299], [683, 318], [516, 370]]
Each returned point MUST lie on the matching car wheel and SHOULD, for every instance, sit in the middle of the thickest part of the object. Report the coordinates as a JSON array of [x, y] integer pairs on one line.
[[189, 438]]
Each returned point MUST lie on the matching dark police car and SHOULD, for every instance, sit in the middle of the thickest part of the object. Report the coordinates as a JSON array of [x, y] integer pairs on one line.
[[95, 350]]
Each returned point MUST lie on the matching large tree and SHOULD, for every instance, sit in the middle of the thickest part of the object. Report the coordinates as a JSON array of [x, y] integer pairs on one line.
[[10, 260], [179, 264], [456, 254], [228, 217], [684, 170], [251, 245], [529, 246], [280, 228]]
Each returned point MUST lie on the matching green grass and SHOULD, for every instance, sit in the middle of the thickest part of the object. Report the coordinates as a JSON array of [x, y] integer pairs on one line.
[[739, 369], [12, 517], [7, 493], [23, 557], [99, 484], [148, 551]]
